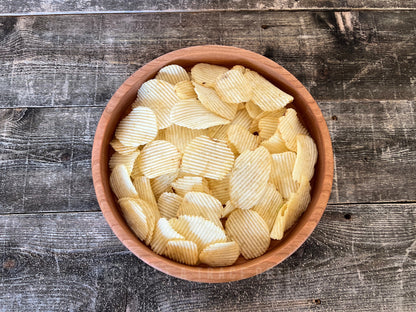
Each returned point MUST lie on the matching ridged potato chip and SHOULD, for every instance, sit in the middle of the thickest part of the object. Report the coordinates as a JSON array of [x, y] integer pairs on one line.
[[220, 254], [249, 177], [145, 192], [241, 139], [292, 210], [182, 251], [267, 127], [162, 235], [185, 90], [281, 173], [135, 217], [275, 144], [122, 149], [307, 154], [126, 160], [159, 158], [248, 229], [121, 184], [241, 106], [219, 132], [289, 127], [208, 158], [240, 68], [229, 207], [266, 95], [233, 87], [168, 205], [243, 119], [187, 184], [172, 74], [220, 189], [206, 74], [253, 110], [192, 114], [269, 204], [137, 128], [163, 183], [160, 96], [210, 99], [181, 136]]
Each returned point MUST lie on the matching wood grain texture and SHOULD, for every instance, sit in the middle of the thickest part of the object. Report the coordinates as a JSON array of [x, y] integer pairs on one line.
[[360, 256], [47, 61]]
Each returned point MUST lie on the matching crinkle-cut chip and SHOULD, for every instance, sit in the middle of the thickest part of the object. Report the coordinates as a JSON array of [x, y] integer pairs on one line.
[[241, 106], [136, 172], [274, 114], [137, 128], [243, 119], [185, 90], [292, 210], [208, 158], [266, 95], [275, 144], [136, 217], [163, 183], [269, 204], [252, 109], [161, 135], [122, 149], [199, 230], [248, 229], [240, 68], [229, 207], [192, 114], [181, 136], [233, 87], [267, 127], [218, 132], [201, 204], [159, 158], [121, 184], [220, 254], [220, 189], [169, 204], [145, 192], [126, 160], [289, 127], [241, 139], [210, 100], [172, 74], [206, 74], [162, 235], [281, 173], [160, 96], [249, 177], [187, 184], [307, 155], [182, 251]]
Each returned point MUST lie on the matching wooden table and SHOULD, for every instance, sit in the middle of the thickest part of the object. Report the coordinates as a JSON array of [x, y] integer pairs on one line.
[[60, 62]]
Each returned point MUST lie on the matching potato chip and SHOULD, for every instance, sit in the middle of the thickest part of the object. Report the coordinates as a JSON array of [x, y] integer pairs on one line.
[[266, 95], [292, 210], [275, 144], [161, 135], [122, 149], [121, 184], [281, 173], [126, 160], [233, 87], [241, 106], [208, 158], [206, 74], [135, 217], [181, 136], [185, 90], [163, 183], [182, 251], [192, 114], [199, 230], [169, 204], [274, 114], [145, 192], [187, 184], [269, 204], [219, 132], [252, 109], [289, 127], [307, 154], [229, 207], [220, 189], [267, 127], [159, 158], [243, 119], [162, 235], [137, 128], [160, 96], [209, 98], [172, 74], [240, 68], [249, 177], [220, 254], [241, 139], [136, 172], [248, 229]]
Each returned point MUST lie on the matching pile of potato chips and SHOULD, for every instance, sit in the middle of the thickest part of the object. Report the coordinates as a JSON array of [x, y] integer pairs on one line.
[[211, 164]]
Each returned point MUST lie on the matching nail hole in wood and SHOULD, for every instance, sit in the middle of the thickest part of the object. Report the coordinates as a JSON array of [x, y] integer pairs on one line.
[[317, 301], [347, 216], [265, 26], [334, 117]]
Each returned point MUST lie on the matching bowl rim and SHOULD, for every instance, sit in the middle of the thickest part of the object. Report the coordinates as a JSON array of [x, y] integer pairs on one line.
[[201, 274]]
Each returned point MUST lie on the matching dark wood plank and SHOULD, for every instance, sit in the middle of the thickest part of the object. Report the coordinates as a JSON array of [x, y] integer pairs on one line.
[[360, 257], [48, 61]]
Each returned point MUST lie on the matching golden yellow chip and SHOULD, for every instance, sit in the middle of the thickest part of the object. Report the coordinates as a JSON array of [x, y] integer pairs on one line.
[[307, 154], [181, 136], [137, 128], [233, 87], [267, 127], [199, 230], [266, 95], [292, 210], [269, 204], [185, 90], [289, 127], [182, 251], [275, 144], [159, 158], [136, 172], [243, 119], [122, 149], [163, 183], [220, 189], [208, 158], [206, 74], [281, 174], [219, 132], [229, 207], [169, 204], [241, 139], [121, 184], [161, 135], [145, 192], [187, 184], [172, 74], [220, 254], [249, 177], [209, 98], [162, 235], [241, 106], [240, 68], [126, 160], [252, 109], [248, 229], [192, 114], [135, 217], [160, 96]]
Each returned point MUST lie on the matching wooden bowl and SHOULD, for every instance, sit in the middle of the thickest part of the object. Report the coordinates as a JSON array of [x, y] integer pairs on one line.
[[310, 115]]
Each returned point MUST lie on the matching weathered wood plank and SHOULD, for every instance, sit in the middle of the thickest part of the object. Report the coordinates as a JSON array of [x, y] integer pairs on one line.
[[73, 262], [48, 61]]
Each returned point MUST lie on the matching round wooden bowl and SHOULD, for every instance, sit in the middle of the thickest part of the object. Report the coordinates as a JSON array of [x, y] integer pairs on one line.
[[310, 115]]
